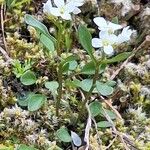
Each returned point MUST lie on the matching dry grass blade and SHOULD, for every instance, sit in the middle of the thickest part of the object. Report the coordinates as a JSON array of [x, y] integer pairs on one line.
[[8, 59], [88, 128], [2, 26], [145, 43], [108, 102], [115, 130]]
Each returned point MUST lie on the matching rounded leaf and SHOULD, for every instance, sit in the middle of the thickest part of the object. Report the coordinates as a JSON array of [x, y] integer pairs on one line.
[[110, 113], [73, 65], [25, 147], [104, 124], [104, 89], [28, 78], [63, 135], [52, 85], [24, 98], [86, 84], [35, 102], [111, 83], [95, 108]]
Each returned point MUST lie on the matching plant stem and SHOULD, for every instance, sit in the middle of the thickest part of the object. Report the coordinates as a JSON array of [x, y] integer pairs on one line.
[[59, 89], [59, 41], [60, 72], [87, 96]]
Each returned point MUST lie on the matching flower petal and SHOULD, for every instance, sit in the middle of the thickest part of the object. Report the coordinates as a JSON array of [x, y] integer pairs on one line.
[[69, 8], [66, 16], [114, 26], [55, 11], [77, 3], [108, 50], [103, 34], [76, 139], [59, 3], [76, 11], [96, 42], [112, 38], [47, 6], [100, 22], [125, 35]]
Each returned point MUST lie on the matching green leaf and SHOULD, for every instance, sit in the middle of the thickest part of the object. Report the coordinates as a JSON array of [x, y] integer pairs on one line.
[[69, 58], [110, 113], [70, 66], [52, 86], [65, 68], [104, 89], [23, 101], [25, 147], [66, 62], [115, 20], [35, 102], [111, 83], [95, 108], [85, 39], [63, 135], [28, 78], [86, 84], [75, 83], [118, 58], [73, 65], [104, 124], [10, 3], [89, 68], [30, 20], [47, 42]]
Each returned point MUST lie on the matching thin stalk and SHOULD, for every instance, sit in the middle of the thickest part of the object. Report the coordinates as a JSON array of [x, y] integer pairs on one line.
[[59, 72], [59, 41], [88, 95], [60, 80]]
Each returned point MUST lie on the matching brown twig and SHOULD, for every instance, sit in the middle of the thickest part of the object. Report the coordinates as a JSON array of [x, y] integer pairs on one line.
[[111, 143], [8, 59], [88, 128], [98, 8], [4, 52], [115, 130], [108, 102], [98, 136], [2, 26], [135, 50]]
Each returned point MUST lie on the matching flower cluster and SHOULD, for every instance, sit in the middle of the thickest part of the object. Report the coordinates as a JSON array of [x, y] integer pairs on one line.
[[63, 9], [107, 37]]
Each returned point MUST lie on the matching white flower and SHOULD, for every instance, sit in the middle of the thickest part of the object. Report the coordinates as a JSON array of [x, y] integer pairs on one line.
[[47, 7], [107, 26], [125, 35], [62, 9], [105, 41], [76, 3]]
